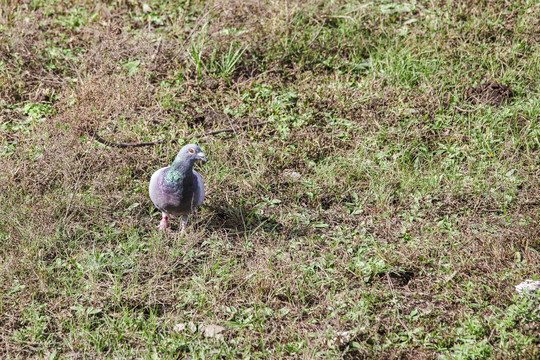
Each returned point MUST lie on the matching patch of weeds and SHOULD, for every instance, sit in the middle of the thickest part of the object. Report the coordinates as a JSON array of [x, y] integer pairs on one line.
[[35, 325], [501, 327], [132, 67], [229, 61], [75, 18], [28, 117]]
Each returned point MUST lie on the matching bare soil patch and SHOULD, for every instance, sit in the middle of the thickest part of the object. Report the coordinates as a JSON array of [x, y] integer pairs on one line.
[[490, 93]]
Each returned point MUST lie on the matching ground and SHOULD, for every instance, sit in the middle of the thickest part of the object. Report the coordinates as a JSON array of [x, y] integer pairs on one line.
[[386, 209]]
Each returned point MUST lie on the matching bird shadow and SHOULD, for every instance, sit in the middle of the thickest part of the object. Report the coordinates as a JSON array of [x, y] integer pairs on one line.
[[240, 218]]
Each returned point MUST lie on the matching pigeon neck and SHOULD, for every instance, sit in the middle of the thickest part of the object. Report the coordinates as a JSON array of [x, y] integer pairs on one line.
[[182, 165], [180, 171]]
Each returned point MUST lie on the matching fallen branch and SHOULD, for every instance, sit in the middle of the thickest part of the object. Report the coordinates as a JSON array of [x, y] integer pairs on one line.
[[198, 136]]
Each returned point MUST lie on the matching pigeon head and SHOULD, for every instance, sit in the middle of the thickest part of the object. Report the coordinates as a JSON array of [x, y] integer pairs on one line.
[[190, 153]]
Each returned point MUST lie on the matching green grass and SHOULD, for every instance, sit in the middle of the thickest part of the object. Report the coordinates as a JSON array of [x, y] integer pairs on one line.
[[383, 213]]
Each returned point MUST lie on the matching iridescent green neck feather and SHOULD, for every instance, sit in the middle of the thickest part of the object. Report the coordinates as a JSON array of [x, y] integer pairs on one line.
[[178, 171]]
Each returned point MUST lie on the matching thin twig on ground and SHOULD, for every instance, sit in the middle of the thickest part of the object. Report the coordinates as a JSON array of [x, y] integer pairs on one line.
[[317, 34], [198, 136], [467, 110], [156, 52]]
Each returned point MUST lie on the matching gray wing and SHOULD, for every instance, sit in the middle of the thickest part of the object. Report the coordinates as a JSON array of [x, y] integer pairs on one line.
[[198, 196], [156, 195]]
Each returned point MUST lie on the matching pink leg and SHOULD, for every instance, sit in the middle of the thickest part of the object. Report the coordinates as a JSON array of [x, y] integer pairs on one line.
[[164, 224], [184, 222]]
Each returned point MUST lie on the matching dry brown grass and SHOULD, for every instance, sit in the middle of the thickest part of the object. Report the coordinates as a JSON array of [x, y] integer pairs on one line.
[[410, 201]]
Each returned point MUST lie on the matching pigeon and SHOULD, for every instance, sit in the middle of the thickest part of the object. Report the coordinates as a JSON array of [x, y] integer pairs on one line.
[[178, 189]]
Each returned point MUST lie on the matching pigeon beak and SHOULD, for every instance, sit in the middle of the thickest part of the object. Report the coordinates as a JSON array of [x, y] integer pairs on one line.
[[201, 156]]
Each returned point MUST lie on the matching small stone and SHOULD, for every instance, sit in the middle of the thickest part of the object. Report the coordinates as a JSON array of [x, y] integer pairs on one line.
[[146, 8], [342, 338], [528, 286], [179, 327], [192, 327], [213, 331], [288, 173], [210, 84], [410, 111]]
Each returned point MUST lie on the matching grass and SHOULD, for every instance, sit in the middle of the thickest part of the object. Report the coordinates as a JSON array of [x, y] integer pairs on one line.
[[384, 213]]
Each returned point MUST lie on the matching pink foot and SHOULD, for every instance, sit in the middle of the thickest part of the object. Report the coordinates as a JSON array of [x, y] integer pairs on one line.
[[164, 224]]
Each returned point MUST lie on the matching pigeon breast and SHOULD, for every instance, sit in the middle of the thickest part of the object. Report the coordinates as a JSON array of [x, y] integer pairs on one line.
[[176, 193]]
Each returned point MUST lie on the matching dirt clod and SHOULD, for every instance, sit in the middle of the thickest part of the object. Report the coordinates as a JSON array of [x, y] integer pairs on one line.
[[490, 93]]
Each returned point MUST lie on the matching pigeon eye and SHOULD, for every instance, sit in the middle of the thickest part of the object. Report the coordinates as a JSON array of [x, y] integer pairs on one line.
[[191, 151]]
